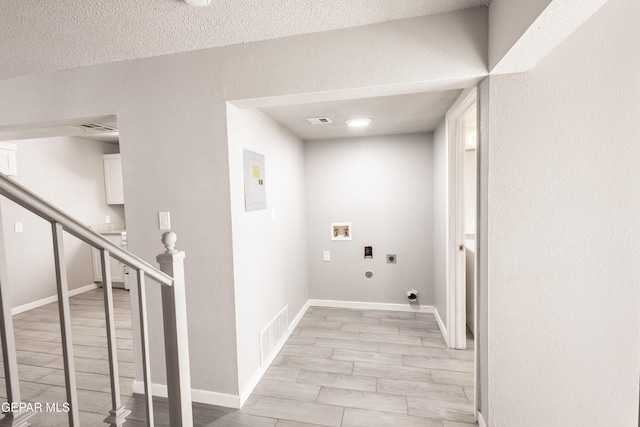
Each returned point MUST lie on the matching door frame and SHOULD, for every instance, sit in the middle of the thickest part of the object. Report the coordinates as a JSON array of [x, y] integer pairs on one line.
[[455, 249]]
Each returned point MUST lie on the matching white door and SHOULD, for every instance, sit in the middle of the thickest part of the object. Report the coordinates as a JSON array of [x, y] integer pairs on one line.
[[456, 250]]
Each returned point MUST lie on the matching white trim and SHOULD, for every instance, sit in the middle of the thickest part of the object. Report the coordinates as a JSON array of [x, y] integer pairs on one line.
[[370, 305], [299, 316], [462, 103], [48, 300], [481, 422], [200, 396], [441, 325], [213, 398], [455, 259], [251, 384]]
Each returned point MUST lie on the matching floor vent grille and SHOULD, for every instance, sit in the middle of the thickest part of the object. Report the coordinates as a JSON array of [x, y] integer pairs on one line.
[[271, 335]]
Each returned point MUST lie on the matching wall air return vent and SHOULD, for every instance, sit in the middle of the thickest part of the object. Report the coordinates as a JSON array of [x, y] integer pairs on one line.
[[95, 128], [319, 120], [274, 335]]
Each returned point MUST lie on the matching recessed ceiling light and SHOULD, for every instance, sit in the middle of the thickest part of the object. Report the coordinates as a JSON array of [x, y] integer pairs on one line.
[[359, 122]]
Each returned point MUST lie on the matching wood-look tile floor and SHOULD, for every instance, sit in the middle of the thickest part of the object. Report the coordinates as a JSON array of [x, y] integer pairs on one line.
[[340, 367]]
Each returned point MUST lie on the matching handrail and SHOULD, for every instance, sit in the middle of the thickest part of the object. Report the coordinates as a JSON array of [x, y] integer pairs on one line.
[[174, 318], [34, 203]]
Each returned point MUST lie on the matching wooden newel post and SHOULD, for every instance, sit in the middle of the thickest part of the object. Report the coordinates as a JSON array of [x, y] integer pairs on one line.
[[176, 342]]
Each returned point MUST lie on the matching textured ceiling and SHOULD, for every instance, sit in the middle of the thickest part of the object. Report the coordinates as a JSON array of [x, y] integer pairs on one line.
[[413, 113], [38, 36]]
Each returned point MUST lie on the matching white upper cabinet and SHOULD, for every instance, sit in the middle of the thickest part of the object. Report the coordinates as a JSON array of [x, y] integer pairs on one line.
[[113, 179], [8, 164]]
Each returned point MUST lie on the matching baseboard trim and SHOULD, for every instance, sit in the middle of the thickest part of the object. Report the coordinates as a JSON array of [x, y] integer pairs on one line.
[[481, 422], [218, 399], [48, 300], [200, 396], [443, 329], [370, 306], [248, 388]]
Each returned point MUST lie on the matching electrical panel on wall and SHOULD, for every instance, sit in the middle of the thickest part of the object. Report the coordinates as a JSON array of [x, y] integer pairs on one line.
[[255, 197]]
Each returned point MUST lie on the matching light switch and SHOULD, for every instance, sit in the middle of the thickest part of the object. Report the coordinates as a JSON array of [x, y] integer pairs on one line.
[[326, 256], [17, 227], [273, 214], [164, 221]]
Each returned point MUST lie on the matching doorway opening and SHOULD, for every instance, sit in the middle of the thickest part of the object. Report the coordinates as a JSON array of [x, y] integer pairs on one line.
[[470, 198], [461, 217], [66, 163], [462, 224]]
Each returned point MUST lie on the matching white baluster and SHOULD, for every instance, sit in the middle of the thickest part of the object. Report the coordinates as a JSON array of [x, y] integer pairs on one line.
[[176, 342], [144, 338], [65, 324], [118, 413]]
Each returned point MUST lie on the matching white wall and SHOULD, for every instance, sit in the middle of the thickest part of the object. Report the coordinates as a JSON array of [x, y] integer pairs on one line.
[[564, 235], [440, 222], [522, 32], [67, 172], [470, 192], [509, 19], [269, 257], [382, 186], [171, 113]]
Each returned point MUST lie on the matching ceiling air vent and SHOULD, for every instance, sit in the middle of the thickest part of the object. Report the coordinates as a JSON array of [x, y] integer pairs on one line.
[[95, 128], [319, 120]]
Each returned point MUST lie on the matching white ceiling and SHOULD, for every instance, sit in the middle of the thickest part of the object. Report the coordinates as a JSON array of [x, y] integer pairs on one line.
[[412, 113], [38, 36]]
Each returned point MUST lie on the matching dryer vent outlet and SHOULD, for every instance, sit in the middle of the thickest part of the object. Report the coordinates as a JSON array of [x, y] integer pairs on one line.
[[412, 295]]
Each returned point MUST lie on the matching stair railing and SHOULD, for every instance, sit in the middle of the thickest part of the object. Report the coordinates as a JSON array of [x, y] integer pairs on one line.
[[171, 278]]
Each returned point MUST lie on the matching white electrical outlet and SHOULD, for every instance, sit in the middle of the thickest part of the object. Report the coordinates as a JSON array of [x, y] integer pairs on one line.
[[107, 219], [164, 221], [326, 256], [273, 214], [17, 227]]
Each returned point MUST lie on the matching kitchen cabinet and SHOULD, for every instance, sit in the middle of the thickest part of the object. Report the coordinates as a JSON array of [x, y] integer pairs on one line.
[[113, 184], [8, 165]]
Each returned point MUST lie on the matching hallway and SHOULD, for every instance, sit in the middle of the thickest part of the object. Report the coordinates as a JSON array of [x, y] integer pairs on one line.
[[368, 368], [340, 367]]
